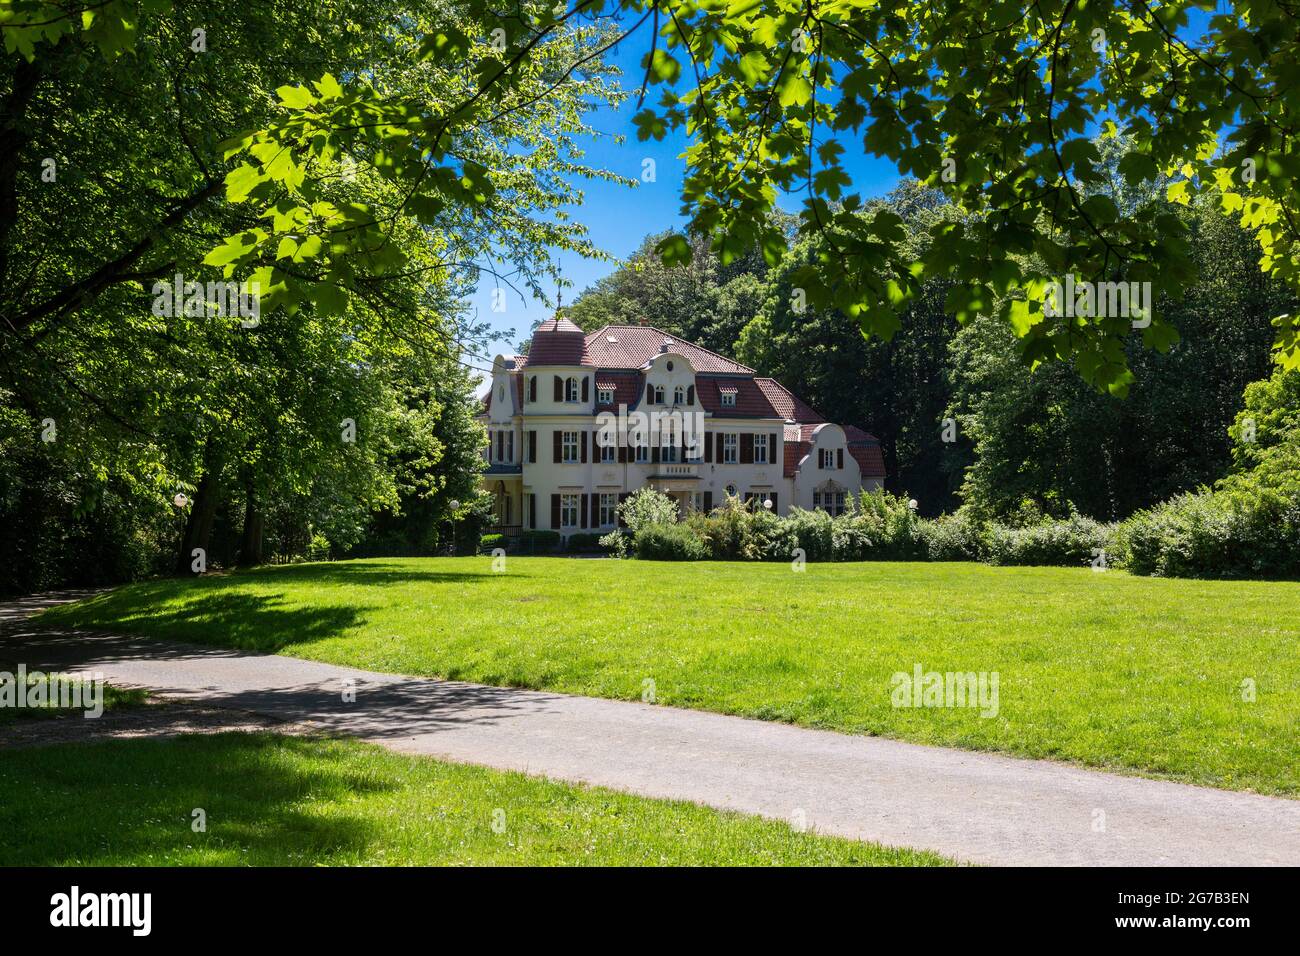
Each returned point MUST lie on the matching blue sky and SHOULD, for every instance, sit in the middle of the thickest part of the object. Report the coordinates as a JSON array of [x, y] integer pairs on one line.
[[619, 217]]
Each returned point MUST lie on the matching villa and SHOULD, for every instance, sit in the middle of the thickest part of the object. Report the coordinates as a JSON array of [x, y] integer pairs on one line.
[[585, 419]]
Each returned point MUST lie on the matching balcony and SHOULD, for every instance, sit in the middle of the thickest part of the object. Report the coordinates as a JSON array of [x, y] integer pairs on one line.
[[676, 470]]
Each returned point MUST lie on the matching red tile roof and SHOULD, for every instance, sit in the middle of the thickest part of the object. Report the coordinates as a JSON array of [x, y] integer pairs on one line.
[[788, 405], [870, 459], [750, 400], [794, 452], [629, 387], [558, 342], [636, 345]]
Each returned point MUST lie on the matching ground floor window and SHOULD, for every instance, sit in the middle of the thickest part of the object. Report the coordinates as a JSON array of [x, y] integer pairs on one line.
[[832, 502], [608, 512], [569, 505]]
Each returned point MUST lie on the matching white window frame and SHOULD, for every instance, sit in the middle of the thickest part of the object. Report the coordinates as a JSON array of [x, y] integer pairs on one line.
[[572, 389], [730, 448], [642, 455], [608, 453], [679, 395], [728, 399], [605, 396], [569, 505], [569, 448], [608, 510], [761, 440], [658, 395]]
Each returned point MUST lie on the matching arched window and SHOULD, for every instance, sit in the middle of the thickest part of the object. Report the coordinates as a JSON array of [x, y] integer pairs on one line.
[[571, 389], [679, 396]]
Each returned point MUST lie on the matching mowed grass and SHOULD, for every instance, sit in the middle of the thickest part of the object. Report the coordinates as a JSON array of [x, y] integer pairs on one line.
[[1105, 669], [270, 800]]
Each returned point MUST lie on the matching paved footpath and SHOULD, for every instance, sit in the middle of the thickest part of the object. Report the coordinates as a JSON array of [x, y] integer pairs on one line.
[[972, 806]]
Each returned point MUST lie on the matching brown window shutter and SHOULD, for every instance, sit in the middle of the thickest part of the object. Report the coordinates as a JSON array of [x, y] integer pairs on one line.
[[555, 512], [721, 454], [773, 497], [595, 511], [708, 502], [582, 444], [582, 511], [585, 393], [708, 446], [559, 389], [839, 458], [557, 448], [746, 449], [649, 394], [690, 394], [532, 388], [622, 454], [654, 454], [532, 447], [532, 510]]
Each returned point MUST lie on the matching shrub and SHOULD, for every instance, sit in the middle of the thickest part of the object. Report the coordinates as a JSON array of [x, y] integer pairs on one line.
[[1073, 541], [645, 507], [490, 542], [954, 537], [539, 542], [584, 543], [615, 543], [669, 542], [812, 532], [1237, 531]]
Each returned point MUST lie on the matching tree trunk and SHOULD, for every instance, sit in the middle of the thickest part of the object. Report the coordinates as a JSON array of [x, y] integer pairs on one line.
[[250, 549], [198, 529]]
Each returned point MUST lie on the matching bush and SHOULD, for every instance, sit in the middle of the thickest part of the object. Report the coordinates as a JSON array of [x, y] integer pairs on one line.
[[616, 543], [490, 542], [647, 506], [669, 542], [1233, 532], [954, 537], [1072, 542], [584, 543], [539, 542]]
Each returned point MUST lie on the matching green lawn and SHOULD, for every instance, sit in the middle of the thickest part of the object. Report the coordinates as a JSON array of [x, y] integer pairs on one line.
[[1136, 674], [271, 800], [114, 699]]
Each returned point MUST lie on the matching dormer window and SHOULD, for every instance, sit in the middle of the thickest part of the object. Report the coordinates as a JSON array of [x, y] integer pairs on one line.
[[728, 399], [571, 389], [605, 396]]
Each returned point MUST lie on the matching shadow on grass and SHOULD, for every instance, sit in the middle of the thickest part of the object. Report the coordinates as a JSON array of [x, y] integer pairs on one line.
[[130, 801]]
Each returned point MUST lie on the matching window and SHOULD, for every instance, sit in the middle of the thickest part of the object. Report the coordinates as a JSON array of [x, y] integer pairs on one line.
[[679, 396], [658, 395], [832, 502], [728, 399], [608, 510], [569, 510], [509, 456], [826, 458], [694, 447], [642, 449], [760, 449], [608, 453], [730, 449], [605, 396], [571, 389], [532, 388], [569, 448]]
